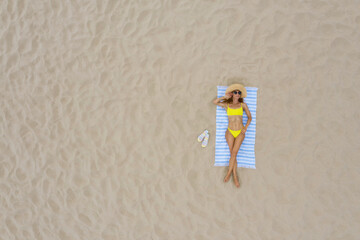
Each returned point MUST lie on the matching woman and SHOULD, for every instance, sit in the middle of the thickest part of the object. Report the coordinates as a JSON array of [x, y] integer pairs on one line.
[[235, 133]]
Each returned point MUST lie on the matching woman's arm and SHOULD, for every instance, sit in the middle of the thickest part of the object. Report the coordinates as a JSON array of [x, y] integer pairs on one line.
[[221, 104], [245, 106]]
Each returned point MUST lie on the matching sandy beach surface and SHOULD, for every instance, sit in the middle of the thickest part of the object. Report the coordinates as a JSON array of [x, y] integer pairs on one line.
[[102, 101]]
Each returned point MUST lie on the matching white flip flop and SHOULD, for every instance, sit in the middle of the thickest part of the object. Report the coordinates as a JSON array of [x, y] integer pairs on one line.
[[206, 140], [202, 135]]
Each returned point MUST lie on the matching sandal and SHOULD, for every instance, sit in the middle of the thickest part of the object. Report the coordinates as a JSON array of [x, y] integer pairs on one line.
[[202, 136], [206, 140]]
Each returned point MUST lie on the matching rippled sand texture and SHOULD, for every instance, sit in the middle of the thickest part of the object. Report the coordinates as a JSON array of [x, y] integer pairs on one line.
[[102, 102]]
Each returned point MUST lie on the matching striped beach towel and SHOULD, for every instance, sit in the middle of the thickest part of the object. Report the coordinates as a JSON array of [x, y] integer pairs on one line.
[[246, 155]]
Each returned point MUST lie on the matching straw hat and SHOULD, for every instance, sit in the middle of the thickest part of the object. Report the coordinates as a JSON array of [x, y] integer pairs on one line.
[[237, 86]]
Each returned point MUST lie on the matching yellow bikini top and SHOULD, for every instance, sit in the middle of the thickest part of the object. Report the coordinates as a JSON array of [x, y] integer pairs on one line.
[[232, 111]]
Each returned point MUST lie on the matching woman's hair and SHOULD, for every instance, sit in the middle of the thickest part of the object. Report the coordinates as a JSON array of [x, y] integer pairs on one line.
[[230, 100]]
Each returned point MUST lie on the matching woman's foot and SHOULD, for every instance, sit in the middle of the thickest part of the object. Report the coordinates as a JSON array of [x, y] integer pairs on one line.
[[227, 177], [237, 184]]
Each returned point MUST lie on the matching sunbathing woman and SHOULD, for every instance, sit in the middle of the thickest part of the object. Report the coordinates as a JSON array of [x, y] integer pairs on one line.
[[235, 133]]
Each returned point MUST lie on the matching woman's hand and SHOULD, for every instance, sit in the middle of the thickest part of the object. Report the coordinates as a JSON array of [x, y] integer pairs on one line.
[[228, 95], [243, 130]]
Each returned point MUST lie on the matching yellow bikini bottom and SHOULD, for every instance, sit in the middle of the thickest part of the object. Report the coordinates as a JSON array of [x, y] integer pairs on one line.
[[235, 133]]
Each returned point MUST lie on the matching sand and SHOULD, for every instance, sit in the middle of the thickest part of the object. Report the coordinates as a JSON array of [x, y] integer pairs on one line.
[[102, 102]]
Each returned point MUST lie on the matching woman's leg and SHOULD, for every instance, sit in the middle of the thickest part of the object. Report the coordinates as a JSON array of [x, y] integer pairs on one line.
[[233, 154], [230, 141], [237, 143]]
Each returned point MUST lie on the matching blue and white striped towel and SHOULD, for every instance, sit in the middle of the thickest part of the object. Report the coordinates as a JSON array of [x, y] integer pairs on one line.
[[246, 155]]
